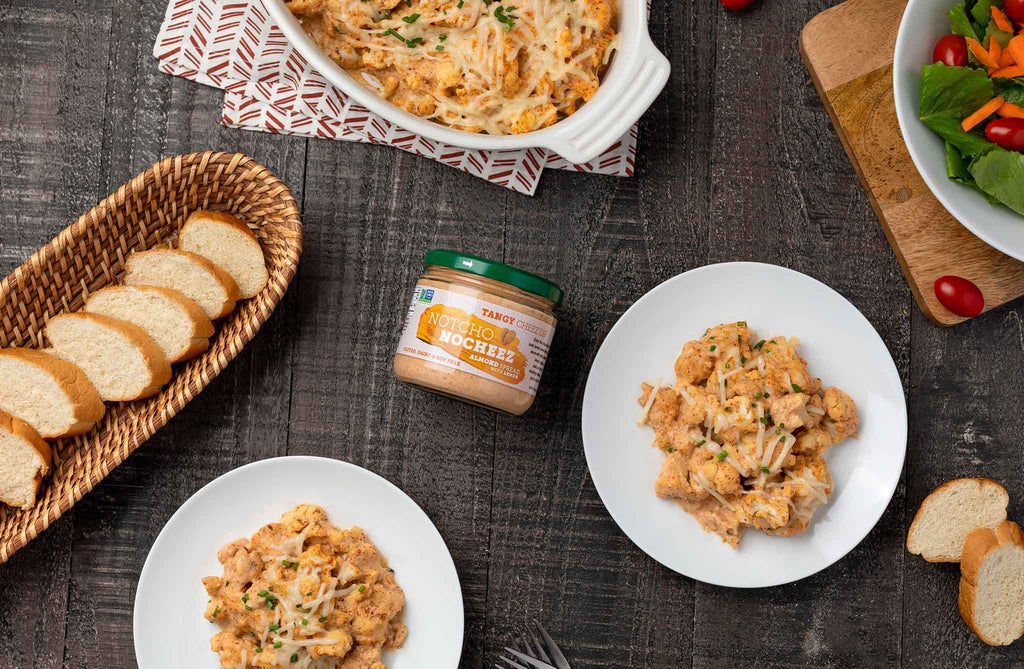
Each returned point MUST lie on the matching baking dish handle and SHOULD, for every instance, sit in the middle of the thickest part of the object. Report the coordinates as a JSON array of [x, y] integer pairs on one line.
[[645, 80]]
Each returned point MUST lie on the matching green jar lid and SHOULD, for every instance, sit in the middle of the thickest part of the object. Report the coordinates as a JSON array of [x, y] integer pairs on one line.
[[490, 269]]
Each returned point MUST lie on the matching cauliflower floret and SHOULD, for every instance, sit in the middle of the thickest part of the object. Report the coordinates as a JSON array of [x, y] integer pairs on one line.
[[673, 479], [695, 363], [789, 411], [842, 414], [766, 512], [340, 648], [812, 441], [720, 475]]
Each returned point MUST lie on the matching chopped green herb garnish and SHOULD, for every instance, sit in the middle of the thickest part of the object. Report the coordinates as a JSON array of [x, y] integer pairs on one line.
[[765, 470], [759, 344], [442, 37], [438, 48], [757, 396], [723, 455], [216, 612], [245, 597], [670, 449], [410, 19], [797, 389], [274, 627], [727, 409], [713, 347], [261, 593], [362, 588], [278, 644], [702, 442], [323, 619], [294, 657], [305, 622], [743, 360], [461, 2], [258, 649]]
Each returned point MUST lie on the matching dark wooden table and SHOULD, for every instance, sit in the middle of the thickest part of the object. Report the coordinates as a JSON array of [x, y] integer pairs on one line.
[[737, 161]]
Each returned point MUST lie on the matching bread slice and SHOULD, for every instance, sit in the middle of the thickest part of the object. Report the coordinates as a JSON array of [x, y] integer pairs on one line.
[[177, 324], [992, 583], [949, 514], [192, 275], [229, 244], [24, 461], [53, 396], [121, 360]]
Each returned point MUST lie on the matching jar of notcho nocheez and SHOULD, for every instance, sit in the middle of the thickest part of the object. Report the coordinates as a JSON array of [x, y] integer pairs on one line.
[[478, 330]]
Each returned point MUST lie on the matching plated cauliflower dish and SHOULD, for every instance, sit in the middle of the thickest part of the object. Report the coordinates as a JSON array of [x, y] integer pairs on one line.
[[303, 593], [745, 429], [475, 65]]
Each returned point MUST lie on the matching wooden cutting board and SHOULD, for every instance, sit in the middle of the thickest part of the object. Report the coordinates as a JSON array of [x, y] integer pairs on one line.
[[848, 51]]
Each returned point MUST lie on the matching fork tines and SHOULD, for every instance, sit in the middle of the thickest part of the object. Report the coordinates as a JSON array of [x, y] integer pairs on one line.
[[537, 655]]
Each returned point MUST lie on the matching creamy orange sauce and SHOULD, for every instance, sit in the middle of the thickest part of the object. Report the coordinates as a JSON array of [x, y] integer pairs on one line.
[[745, 427], [304, 594]]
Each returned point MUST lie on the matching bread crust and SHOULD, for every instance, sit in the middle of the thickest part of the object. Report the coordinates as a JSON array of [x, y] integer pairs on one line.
[[977, 546], [229, 220], [981, 481], [220, 217], [202, 326], [87, 407], [18, 427], [157, 363], [227, 283]]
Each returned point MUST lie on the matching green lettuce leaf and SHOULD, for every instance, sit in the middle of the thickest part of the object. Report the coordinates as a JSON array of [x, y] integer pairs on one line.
[[1011, 91], [1001, 36], [961, 22], [981, 12], [950, 94], [956, 169], [1001, 174], [953, 91]]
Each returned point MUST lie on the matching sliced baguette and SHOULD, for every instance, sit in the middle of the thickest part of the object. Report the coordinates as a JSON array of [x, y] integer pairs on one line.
[[177, 324], [121, 360], [24, 461], [951, 512], [192, 275], [229, 244], [53, 396], [992, 583]]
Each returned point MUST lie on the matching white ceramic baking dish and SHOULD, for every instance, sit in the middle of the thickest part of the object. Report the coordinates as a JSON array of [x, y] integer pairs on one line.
[[635, 77]]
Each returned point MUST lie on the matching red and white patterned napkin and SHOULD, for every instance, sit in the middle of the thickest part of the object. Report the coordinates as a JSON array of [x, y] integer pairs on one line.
[[233, 45]]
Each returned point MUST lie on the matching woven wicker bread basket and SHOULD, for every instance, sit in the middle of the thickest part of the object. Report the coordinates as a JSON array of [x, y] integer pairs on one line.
[[90, 254]]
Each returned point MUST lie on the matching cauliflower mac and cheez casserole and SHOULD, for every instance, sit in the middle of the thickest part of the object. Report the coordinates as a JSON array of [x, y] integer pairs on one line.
[[475, 65], [745, 429], [304, 594]]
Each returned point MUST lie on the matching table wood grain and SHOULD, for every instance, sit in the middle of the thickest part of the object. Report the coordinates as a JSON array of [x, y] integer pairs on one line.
[[737, 161]]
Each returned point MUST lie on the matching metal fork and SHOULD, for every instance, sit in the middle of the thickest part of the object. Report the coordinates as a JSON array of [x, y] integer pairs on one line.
[[534, 654]]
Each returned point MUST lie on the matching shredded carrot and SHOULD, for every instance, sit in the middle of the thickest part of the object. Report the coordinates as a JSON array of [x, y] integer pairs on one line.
[[1016, 49], [1002, 22], [1010, 110], [981, 53], [986, 110], [994, 50], [1009, 72], [1006, 59]]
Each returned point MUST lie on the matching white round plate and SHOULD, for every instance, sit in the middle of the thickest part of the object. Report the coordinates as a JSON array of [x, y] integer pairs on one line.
[[170, 631], [841, 348], [924, 22]]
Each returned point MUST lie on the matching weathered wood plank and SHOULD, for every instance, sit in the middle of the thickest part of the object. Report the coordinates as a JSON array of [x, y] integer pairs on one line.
[[785, 194], [557, 556], [47, 177], [966, 421], [371, 214]]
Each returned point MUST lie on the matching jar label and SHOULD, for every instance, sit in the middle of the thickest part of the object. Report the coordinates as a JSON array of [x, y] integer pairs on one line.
[[476, 336]]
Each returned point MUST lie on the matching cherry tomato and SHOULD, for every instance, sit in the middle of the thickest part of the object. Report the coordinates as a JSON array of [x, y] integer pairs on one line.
[[959, 295], [1014, 9], [742, 4], [1007, 133], [951, 50]]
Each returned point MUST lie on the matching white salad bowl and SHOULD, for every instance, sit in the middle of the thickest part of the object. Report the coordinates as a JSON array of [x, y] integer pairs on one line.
[[924, 22], [637, 74]]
